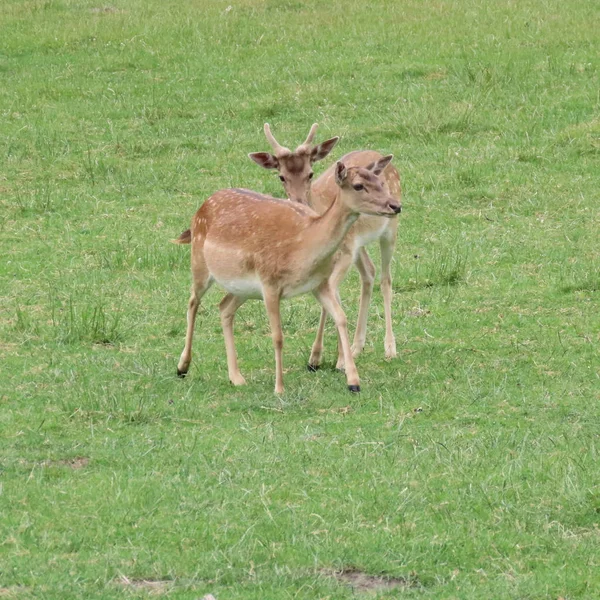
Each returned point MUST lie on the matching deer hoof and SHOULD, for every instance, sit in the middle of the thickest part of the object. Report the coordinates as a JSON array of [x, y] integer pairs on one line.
[[237, 380], [313, 368], [181, 374], [354, 388]]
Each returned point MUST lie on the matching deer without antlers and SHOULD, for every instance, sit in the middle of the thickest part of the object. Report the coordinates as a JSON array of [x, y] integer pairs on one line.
[[295, 172], [256, 246]]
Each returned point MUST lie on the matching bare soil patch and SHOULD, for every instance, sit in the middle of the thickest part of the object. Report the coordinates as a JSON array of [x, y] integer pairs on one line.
[[418, 312], [106, 10], [77, 462], [153, 586], [367, 583]]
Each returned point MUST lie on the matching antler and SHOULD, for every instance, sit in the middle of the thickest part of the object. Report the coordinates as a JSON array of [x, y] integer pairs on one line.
[[306, 145], [311, 134], [277, 147]]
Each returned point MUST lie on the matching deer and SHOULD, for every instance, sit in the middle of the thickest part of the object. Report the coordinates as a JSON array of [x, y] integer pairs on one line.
[[256, 246], [296, 174]]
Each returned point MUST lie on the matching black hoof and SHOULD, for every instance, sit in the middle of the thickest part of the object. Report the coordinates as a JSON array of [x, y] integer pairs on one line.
[[181, 374], [354, 388], [313, 368]]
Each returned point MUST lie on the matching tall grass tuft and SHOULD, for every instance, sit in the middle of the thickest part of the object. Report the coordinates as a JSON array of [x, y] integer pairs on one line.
[[581, 280], [446, 267], [95, 322], [23, 323]]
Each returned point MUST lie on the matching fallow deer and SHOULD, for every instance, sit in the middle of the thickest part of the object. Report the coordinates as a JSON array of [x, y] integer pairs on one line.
[[256, 246], [295, 172]]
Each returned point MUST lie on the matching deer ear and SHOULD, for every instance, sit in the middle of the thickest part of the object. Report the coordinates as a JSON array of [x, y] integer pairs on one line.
[[378, 166], [323, 149], [340, 173], [265, 160]]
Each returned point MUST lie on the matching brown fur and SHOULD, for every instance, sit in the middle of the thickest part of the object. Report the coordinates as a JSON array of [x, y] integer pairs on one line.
[[367, 228], [258, 246]]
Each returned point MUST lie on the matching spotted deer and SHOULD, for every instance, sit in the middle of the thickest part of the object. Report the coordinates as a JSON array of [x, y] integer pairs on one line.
[[296, 174], [256, 246]]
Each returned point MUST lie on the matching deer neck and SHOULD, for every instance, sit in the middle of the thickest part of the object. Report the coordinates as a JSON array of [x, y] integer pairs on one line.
[[320, 196], [329, 230], [310, 197]]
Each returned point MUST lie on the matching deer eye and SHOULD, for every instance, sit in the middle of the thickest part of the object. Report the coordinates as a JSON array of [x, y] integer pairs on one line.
[[311, 175], [282, 178], [358, 187]]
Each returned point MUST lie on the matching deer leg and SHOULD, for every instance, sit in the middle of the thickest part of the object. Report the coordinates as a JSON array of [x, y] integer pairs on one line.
[[340, 364], [340, 269], [387, 244], [314, 362], [228, 308], [272, 302], [327, 297], [366, 268], [343, 262], [201, 282]]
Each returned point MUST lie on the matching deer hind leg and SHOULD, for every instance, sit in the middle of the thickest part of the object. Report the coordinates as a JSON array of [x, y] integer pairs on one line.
[[228, 308], [201, 281], [316, 353], [387, 244], [366, 268], [328, 299], [272, 302]]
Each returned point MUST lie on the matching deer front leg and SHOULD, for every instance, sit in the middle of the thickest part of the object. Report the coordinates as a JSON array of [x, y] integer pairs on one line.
[[340, 364], [387, 244], [327, 297], [366, 268], [228, 308], [342, 264], [272, 301]]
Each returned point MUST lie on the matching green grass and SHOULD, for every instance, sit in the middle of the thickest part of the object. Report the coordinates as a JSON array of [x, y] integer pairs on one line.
[[467, 468]]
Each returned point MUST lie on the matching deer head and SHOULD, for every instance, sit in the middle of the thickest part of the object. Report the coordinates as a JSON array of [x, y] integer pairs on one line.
[[295, 168], [362, 191]]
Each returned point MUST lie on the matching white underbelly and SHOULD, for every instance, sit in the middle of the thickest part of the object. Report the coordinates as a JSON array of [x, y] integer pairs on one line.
[[303, 288], [248, 287], [252, 287]]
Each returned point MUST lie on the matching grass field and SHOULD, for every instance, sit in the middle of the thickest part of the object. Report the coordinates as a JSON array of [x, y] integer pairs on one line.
[[467, 468]]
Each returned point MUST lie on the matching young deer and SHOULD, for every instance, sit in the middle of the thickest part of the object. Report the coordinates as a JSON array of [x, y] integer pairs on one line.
[[256, 246], [295, 172]]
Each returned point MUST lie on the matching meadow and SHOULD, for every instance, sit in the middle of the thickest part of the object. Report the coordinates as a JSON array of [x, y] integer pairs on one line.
[[467, 468]]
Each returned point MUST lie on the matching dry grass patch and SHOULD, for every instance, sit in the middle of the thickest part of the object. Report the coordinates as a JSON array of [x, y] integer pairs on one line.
[[13, 591]]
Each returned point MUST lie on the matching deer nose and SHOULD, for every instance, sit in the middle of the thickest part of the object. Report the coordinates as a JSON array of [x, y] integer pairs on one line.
[[396, 208]]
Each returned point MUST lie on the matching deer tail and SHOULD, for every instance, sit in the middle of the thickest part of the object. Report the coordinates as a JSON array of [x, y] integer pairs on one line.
[[184, 238]]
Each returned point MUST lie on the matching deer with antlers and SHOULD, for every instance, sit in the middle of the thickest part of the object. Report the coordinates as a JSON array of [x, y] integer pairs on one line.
[[256, 246], [296, 174]]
